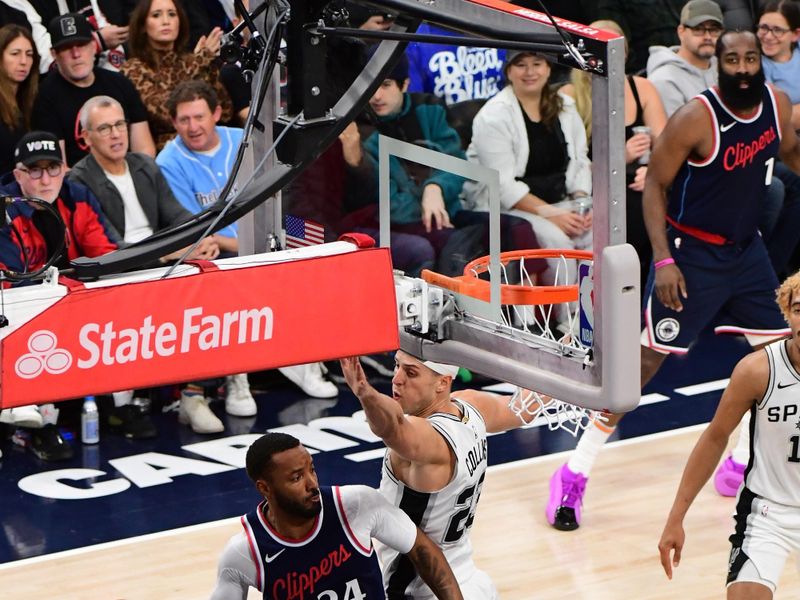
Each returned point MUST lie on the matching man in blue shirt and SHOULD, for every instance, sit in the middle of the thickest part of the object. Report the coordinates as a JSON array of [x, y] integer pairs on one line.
[[199, 160], [197, 165]]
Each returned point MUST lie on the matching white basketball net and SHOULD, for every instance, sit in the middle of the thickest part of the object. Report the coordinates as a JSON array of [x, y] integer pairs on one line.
[[534, 409], [555, 325]]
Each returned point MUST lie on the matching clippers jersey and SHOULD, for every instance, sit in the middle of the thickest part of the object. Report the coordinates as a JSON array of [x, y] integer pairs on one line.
[[445, 516], [327, 561], [723, 193], [774, 468]]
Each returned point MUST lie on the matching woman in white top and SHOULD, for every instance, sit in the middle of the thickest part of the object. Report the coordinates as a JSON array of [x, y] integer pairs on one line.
[[535, 138]]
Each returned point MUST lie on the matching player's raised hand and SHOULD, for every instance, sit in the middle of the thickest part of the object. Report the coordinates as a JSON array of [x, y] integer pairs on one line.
[[671, 287], [672, 539], [354, 376]]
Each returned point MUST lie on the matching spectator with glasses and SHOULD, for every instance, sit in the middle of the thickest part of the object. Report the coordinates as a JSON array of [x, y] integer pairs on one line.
[[681, 72], [138, 202], [28, 239], [778, 31]]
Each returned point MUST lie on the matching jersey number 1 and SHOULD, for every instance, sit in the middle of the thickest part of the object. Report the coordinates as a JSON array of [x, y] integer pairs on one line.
[[770, 164], [795, 455]]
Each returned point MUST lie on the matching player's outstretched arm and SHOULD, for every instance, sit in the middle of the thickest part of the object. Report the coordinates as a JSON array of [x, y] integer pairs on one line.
[[748, 384], [410, 437], [496, 411], [432, 567]]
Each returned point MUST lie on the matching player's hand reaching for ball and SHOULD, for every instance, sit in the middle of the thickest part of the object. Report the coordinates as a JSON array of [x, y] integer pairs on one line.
[[671, 287]]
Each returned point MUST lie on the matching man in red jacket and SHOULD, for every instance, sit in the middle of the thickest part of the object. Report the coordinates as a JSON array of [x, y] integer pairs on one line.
[[39, 173], [29, 238]]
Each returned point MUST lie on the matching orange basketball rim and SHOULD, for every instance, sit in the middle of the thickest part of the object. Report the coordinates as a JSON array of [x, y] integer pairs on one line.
[[470, 284]]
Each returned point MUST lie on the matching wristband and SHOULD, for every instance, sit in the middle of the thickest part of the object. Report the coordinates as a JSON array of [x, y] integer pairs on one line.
[[664, 262]]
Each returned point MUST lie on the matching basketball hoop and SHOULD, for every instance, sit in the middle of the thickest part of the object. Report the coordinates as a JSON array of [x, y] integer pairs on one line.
[[549, 313], [557, 317]]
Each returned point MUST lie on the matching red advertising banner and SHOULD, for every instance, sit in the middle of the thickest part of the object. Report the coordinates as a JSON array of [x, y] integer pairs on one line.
[[199, 326]]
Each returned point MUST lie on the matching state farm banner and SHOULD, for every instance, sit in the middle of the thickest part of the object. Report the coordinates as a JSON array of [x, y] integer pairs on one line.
[[209, 324]]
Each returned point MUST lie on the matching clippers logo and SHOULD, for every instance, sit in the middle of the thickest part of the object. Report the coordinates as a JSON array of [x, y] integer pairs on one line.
[[43, 356], [667, 329], [68, 26]]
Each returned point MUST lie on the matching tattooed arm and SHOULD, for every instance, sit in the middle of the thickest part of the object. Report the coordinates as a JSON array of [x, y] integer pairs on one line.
[[432, 566], [371, 516]]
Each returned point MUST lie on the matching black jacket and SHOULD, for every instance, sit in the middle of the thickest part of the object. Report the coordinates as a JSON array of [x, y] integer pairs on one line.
[[160, 206]]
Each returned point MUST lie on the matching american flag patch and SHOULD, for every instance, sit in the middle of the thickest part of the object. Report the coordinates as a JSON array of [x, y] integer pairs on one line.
[[302, 232]]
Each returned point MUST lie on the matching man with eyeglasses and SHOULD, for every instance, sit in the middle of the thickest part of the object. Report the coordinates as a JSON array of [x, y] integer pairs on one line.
[[132, 191], [137, 201], [681, 72], [28, 239], [63, 92]]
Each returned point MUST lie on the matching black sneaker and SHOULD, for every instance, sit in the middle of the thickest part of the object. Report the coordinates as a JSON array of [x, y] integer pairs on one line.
[[47, 444], [132, 422], [382, 364]]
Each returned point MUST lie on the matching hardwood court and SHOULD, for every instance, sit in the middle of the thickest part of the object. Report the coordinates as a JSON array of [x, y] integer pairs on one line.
[[612, 556]]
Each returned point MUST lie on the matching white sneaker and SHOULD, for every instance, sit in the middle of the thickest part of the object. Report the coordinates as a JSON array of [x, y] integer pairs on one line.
[[309, 379], [194, 411], [27, 416], [239, 402]]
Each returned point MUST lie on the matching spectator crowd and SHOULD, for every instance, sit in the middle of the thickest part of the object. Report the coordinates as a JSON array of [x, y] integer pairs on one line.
[[124, 117]]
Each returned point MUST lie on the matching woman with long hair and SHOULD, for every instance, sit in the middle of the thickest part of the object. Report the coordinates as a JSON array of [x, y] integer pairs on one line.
[[159, 30], [19, 83], [643, 109], [532, 135]]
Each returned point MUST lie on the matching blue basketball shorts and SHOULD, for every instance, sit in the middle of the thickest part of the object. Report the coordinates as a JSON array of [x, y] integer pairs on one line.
[[733, 285]]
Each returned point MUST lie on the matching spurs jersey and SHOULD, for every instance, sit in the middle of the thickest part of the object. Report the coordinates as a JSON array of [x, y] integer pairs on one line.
[[722, 193], [774, 468], [328, 562], [447, 515]]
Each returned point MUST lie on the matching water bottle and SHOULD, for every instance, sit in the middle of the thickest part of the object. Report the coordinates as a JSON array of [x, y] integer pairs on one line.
[[90, 422]]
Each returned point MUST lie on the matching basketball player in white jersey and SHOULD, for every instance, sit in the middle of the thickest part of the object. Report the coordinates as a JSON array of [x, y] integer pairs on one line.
[[434, 465], [767, 384]]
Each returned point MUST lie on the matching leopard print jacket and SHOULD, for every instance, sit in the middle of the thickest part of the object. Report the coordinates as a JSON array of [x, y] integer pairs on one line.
[[155, 86]]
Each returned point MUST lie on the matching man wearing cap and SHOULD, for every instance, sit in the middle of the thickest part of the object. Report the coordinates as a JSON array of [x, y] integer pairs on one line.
[[29, 238], [39, 173], [681, 72], [77, 79], [434, 464]]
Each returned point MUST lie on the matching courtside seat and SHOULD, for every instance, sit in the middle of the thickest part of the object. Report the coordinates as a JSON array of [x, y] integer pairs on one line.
[[460, 116]]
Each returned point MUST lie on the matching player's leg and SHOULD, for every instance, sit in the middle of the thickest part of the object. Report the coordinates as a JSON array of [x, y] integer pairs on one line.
[[764, 537], [568, 483], [751, 311], [749, 591], [665, 332]]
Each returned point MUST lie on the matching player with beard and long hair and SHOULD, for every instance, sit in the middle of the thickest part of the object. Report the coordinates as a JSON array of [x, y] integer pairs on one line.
[[708, 173], [307, 541]]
